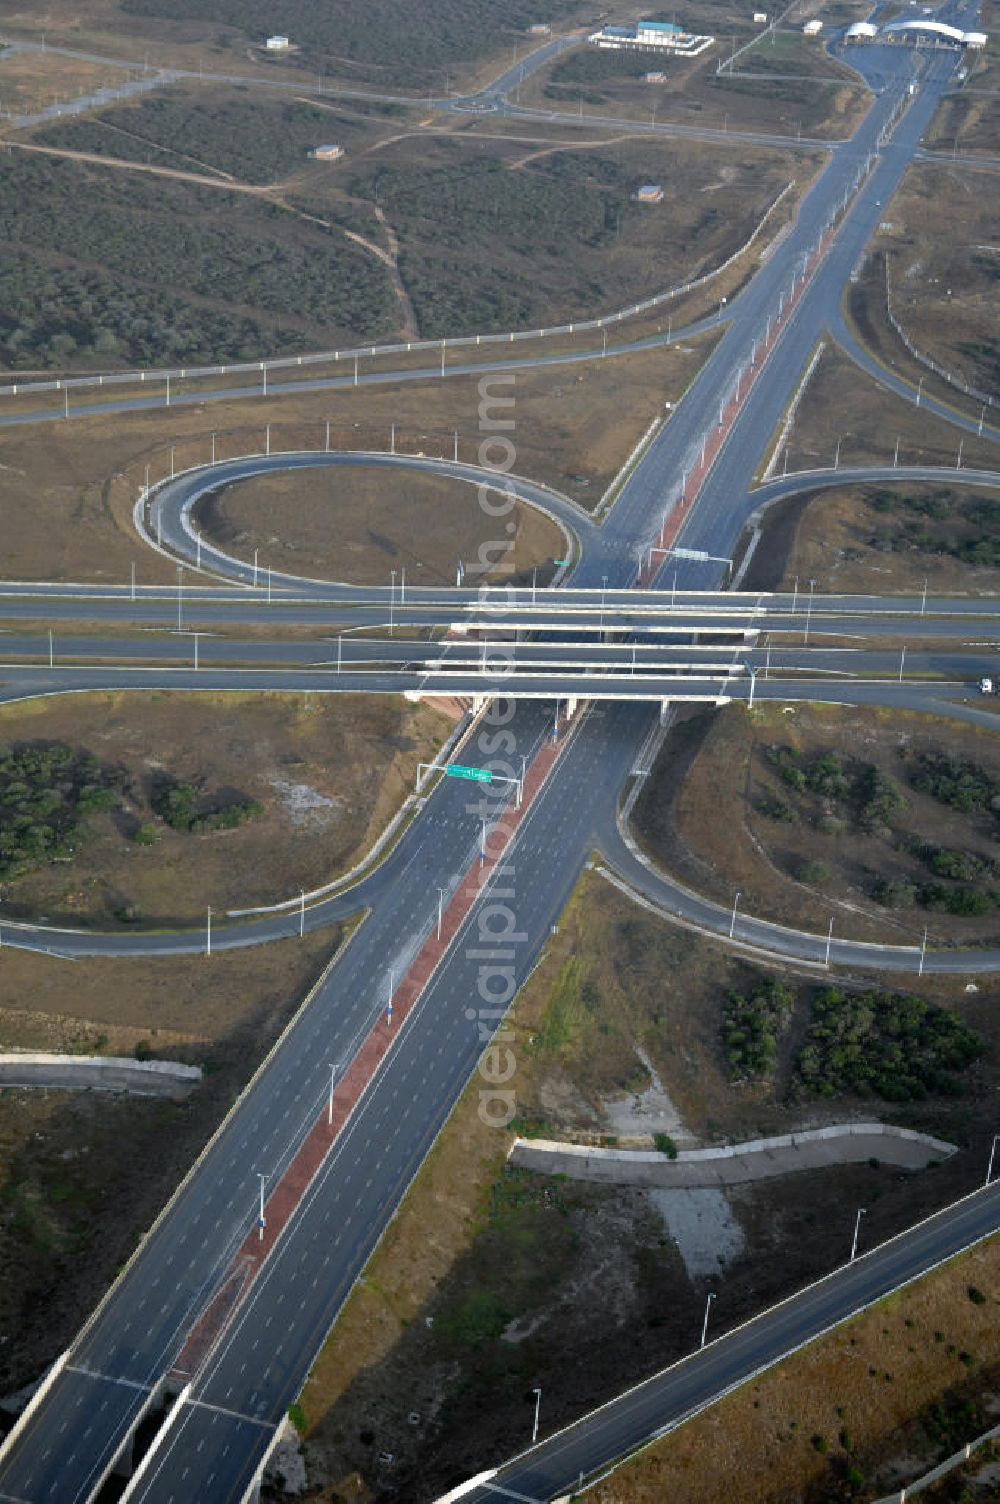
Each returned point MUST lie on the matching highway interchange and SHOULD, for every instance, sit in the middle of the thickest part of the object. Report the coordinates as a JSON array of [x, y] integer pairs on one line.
[[220, 1433]]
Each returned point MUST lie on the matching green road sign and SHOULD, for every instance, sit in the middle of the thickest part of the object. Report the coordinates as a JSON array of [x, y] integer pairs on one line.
[[562, 561], [478, 775]]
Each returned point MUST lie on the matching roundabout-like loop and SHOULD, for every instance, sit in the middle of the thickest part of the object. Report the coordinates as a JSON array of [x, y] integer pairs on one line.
[[165, 519]]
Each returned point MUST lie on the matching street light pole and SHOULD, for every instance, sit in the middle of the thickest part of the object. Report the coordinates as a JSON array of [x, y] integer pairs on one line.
[[261, 1219], [993, 1150], [857, 1229], [538, 1403], [302, 914], [704, 1325], [829, 941], [441, 893], [329, 1110], [732, 922]]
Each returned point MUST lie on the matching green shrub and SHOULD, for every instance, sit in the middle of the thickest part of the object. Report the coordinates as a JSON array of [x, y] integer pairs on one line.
[[145, 835], [976, 1296], [959, 784], [665, 1144], [46, 791], [181, 806], [892, 1044], [813, 872], [751, 1027], [894, 892]]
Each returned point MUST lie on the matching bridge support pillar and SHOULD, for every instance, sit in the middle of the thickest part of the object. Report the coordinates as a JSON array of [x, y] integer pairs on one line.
[[571, 707], [125, 1464], [478, 703], [664, 711]]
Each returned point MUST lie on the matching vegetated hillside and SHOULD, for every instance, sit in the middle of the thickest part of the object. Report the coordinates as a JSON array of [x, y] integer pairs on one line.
[[116, 265], [496, 238], [403, 42], [237, 132]]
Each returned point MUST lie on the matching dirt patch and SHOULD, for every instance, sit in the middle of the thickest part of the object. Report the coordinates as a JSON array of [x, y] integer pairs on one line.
[[357, 524], [749, 820], [83, 1176], [34, 81], [328, 772]]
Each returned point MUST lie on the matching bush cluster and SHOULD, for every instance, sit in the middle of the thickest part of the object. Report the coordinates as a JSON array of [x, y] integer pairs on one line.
[[927, 524], [46, 792], [897, 1046], [872, 795], [256, 140], [101, 265], [959, 784], [182, 806], [751, 1027]]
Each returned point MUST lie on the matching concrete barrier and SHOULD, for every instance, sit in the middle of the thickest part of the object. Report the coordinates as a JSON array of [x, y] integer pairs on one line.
[[734, 1164], [143, 1078]]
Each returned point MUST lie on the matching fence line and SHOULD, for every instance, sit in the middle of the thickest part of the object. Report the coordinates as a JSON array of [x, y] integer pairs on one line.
[[957, 1459], [927, 360]]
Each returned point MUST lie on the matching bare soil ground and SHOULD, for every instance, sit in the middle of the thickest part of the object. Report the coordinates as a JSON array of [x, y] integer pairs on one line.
[[329, 771], [843, 403], [83, 1176], [940, 237], [72, 486], [694, 93], [32, 81], [880, 539], [848, 1402], [490, 1281], [790, 53], [357, 524], [817, 859]]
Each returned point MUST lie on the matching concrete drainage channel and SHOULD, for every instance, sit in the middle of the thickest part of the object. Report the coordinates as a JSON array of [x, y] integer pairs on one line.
[[734, 1164], [111, 1073]]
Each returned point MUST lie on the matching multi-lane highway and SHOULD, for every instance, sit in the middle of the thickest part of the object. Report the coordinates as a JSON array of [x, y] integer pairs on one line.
[[231, 1407]]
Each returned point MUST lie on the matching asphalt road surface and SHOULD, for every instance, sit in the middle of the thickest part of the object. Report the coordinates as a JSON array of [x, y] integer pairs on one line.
[[214, 1445]]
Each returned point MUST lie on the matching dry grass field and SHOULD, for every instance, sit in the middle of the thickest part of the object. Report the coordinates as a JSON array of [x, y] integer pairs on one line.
[[31, 81], [838, 1420], [842, 403], [83, 1176], [357, 524]]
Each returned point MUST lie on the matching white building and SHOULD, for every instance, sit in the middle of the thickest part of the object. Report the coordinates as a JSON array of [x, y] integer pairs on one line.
[[650, 36], [812, 28], [276, 44], [760, 18]]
